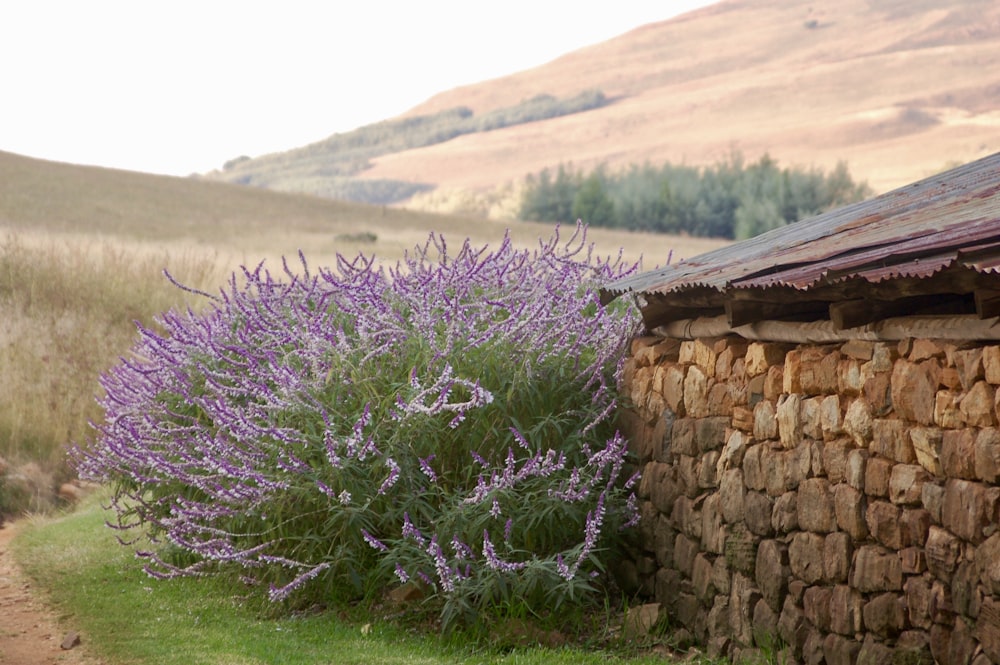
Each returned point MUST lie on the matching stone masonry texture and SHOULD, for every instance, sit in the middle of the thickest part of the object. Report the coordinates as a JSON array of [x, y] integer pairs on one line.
[[838, 499]]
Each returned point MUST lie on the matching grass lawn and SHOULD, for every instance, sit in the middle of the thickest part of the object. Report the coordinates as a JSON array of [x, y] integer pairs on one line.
[[99, 589]]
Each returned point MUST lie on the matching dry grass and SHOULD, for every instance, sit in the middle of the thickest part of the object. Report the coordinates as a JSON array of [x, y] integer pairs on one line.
[[81, 255], [69, 309]]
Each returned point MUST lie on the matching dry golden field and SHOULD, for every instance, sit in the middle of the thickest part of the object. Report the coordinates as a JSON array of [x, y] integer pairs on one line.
[[82, 251]]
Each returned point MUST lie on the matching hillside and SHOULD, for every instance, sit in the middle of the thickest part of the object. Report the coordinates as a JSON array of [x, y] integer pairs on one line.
[[898, 89], [245, 225]]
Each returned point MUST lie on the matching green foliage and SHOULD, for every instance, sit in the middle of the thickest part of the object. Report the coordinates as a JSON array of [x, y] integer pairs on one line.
[[89, 577], [326, 168], [728, 200]]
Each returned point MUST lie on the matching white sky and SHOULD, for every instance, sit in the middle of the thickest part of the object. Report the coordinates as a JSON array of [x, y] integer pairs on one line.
[[181, 86]]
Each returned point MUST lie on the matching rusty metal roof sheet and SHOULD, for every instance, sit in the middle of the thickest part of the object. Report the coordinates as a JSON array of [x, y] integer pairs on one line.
[[951, 219]]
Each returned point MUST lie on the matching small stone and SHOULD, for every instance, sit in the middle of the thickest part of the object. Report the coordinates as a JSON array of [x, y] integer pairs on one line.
[[70, 640]]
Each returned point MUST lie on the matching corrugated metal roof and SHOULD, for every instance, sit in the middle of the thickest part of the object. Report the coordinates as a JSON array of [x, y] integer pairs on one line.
[[948, 220]]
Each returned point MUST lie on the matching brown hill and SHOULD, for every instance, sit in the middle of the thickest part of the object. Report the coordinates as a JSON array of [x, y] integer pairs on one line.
[[897, 88], [243, 225]]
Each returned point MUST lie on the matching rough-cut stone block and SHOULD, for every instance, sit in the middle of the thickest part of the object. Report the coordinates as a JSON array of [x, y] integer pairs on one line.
[[815, 506], [914, 387], [710, 433], [663, 541], [696, 386], [686, 517], [978, 407], [917, 594], [946, 410], [731, 455], [758, 508], [891, 439], [792, 372], [805, 557], [915, 522], [927, 443], [836, 557], [885, 614], [732, 492], [988, 563], [874, 652], [672, 386], [809, 415], [685, 550], [924, 349], [913, 559], [753, 469], [668, 586], [743, 596], [906, 484], [818, 374], [988, 628], [958, 454], [784, 516], [704, 355], [765, 623], [850, 378], [877, 473], [932, 498], [966, 594], [991, 365], [708, 475], [858, 349], [835, 458], [792, 626], [701, 578], [850, 507], [713, 533], [839, 650], [857, 465], [987, 455], [816, 606], [858, 423], [942, 550], [969, 363], [877, 393], [884, 355], [743, 419], [785, 469], [765, 421], [962, 645], [664, 487], [774, 382], [969, 508], [761, 356], [682, 437], [846, 606], [789, 417], [882, 519], [876, 570], [771, 572], [720, 400], [830, 417], [741, 550], [687, 475]]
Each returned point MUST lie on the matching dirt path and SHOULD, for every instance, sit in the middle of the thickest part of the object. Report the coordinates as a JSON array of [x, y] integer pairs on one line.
[[29, 631]]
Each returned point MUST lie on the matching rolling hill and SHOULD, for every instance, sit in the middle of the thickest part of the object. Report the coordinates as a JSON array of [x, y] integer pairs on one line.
[[898, 89], [244, 225]]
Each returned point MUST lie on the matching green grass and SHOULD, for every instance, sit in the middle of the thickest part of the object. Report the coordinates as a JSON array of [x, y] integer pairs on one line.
[[98, 588]]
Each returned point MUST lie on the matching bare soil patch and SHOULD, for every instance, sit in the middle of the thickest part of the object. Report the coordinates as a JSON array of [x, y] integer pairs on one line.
[[31, 632]]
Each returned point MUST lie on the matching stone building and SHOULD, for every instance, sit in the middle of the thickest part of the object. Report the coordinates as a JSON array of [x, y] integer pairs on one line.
[[815, 413]]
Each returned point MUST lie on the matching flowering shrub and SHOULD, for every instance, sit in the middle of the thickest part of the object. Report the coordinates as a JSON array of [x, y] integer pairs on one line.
[[445, 423]]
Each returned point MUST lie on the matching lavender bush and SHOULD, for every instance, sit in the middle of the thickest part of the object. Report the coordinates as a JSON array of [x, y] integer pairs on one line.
[[446, 423]]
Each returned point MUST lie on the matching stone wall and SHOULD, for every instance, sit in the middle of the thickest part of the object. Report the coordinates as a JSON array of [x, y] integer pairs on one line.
[[840, 497]]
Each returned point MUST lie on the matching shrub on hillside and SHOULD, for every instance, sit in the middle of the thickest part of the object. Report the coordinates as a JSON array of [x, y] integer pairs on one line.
[[328, 435]]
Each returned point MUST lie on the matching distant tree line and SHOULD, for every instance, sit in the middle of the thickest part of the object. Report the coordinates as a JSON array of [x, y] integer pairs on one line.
[[731, 199]]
